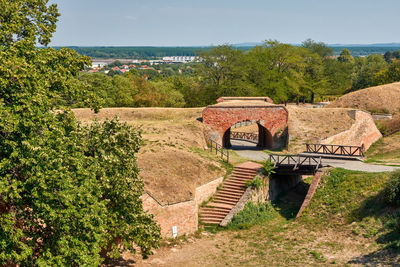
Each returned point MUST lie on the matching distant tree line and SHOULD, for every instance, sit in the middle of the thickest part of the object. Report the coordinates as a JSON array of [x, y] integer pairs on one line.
[[284, 72], [149, 52], [144, 52]]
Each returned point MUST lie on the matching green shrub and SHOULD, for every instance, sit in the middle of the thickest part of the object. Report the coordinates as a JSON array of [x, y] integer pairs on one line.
[[251, 215], [256, 183], [391, 193], [268, 168]]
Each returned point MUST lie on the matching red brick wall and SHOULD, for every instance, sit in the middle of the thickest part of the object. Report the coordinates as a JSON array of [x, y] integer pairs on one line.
[[184, 215], [274, 117]]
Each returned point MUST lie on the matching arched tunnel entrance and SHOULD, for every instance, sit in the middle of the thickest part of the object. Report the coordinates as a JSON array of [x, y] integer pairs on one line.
[[247, 135]]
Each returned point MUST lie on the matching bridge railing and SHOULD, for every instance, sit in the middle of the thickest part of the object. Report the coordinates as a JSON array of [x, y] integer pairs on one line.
[[335, 149], [391, 131], [219, 150], [245, 136], [297, 161]]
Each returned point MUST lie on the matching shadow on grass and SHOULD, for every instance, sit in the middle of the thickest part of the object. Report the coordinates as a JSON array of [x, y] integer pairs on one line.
[[388, 235]]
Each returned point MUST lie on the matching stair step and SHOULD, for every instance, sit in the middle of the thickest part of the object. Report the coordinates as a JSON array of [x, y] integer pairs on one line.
[[233, 183], [234, 187], [228, 196], [241, 181], [237, 191], [214, 216], [227, 193], [213, 212], [221, 201], [211, 222], [245, 172], [242, 172], [220, 205], [246, 169], [242, 176]]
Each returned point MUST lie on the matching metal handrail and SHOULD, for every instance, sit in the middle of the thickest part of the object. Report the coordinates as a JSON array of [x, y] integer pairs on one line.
[[391, 131], [222, 151], [296, 160], [244, 136], [335, 149]]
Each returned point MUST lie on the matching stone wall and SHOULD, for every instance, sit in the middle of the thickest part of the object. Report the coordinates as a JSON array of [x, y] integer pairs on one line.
[[184, 215], [362, 132]]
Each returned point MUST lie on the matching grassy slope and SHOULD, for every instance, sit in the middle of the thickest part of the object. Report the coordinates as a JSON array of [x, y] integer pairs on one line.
[[386, 150], [379, 99], [346, 223], [172, 159]]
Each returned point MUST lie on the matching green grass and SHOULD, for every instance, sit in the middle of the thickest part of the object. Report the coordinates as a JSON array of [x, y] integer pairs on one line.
[[341, 194], [385, 150], [347, 206], [253, 214]]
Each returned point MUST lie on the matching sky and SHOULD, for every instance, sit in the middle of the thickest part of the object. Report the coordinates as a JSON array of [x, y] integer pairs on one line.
[[215, 22]]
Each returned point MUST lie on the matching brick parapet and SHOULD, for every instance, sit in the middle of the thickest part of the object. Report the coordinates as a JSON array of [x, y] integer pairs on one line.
[[273, 118]]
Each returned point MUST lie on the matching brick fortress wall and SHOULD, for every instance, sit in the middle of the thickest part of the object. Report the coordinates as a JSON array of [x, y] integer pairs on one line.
[[184, 214]]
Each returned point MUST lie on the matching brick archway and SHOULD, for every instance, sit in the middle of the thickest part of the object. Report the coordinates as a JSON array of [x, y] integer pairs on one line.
[[265, 139], [272, 119]]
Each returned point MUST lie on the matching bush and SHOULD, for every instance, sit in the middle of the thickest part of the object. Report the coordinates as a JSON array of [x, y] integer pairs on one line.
[[251, 215], [391, 193], [256, 183]]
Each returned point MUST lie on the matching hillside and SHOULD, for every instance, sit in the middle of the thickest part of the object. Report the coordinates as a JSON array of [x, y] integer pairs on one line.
[[173, 160], [170, 159], [378, 99], [346, 224]]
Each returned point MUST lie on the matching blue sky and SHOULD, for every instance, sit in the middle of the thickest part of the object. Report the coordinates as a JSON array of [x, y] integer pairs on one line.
[[213, 22]]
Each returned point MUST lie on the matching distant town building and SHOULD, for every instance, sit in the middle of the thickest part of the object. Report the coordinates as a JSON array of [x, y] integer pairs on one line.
[[98, 64], [179, 59]]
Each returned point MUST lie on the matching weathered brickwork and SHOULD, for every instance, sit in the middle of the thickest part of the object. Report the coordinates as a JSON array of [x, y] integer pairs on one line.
[[184, 215], [273, 118]]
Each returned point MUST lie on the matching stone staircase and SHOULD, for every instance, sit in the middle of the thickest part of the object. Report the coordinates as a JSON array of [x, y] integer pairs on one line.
[[229, 194]]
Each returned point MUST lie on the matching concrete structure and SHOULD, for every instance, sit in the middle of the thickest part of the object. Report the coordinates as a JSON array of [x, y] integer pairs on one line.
[[271, 119]]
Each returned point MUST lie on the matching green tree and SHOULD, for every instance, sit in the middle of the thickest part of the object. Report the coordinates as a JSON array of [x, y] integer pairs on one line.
[[124, 91], [338, 76], [277, 70], [345, 56], [319, 48], [365, 70], [222, 73], [67, 191]]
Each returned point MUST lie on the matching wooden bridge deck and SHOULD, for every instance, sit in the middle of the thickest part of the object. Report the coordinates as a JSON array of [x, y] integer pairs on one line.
[[295, 163]]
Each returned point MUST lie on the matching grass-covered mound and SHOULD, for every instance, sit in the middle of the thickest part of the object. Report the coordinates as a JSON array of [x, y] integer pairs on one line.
[[349, 221]]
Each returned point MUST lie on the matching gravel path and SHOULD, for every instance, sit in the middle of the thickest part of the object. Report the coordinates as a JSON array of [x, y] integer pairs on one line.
[[249, 151]]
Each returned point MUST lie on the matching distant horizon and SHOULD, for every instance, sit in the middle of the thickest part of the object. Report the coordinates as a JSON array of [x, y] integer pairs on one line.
[[245, 44]]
